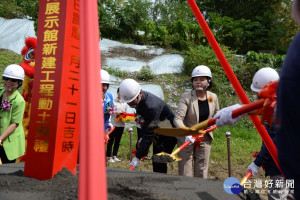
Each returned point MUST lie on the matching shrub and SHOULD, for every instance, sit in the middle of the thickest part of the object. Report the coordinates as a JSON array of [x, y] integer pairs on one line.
[[145, 74], [116, 72], [255, 61]]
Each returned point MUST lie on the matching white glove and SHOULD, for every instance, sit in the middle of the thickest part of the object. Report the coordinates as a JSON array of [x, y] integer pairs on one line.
[[254, 168], [110, 126], [189, 138], [135, 162], [224, 116]]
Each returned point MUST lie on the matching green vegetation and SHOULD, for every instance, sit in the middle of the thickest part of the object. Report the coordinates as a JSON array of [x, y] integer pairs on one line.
[[6, 58], [145, 74], [9, 57]]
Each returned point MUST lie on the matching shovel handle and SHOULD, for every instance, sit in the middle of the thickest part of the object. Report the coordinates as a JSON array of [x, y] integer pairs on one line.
[[113, 128], [176, 151], [246, 177], [183, 145], [210, 129], [131, 167], [188, 142], [242, 110], [204, 124], [248, 107]]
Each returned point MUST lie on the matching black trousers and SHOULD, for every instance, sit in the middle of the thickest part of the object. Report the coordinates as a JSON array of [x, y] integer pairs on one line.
[[139, 136], [4, 158], [114, 140], [162, 143]]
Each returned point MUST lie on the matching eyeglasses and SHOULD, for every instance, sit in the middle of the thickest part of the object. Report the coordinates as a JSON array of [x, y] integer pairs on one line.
[[11, 79]]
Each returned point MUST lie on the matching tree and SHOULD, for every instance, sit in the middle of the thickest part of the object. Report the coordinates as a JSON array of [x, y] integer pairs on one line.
[[10, 9], [265, 28], [122, 19]]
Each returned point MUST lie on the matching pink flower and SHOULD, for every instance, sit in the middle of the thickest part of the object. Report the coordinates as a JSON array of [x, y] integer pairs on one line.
[[110, 110], [139, 120], [5, 105]]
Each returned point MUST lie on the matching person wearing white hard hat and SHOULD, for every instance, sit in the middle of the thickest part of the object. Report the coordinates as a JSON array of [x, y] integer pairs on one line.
[[149, 109], [194, 107], [263, 158], [107, 99], [115, 137], [261, 78], [12, 138], [288, 110]]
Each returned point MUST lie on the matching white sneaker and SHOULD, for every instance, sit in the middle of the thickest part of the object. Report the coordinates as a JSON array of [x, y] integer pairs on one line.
[[116, 159], [110, 160]]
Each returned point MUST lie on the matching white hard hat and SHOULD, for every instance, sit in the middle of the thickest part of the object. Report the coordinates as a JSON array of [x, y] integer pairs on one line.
[[201, 70], [14, 71], [129, 89], [263, 77], [105, 77]]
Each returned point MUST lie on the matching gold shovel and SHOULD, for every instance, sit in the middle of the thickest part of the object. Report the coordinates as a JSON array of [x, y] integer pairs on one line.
[[196, 130], [164, 157], [185, 131]]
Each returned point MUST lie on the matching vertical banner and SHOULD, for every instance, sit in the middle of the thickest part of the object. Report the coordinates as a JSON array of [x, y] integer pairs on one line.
[[92, 176], [54, 121]]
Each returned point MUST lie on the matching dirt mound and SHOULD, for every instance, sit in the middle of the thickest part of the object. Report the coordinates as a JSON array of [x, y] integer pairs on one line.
[[121, 184]]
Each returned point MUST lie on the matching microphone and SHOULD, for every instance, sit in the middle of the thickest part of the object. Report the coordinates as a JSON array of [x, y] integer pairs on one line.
[[201, 89], [9, 90]]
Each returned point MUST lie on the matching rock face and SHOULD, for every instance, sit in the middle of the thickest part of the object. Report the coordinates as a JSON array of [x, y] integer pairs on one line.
[[132, 58], [122, 185], [13, 33]]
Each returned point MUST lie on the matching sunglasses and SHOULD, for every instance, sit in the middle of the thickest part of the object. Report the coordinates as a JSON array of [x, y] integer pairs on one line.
[[11, 79]]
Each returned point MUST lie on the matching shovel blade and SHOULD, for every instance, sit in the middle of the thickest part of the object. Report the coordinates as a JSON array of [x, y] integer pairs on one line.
[[165, 158], [162, 158], [176, 158]]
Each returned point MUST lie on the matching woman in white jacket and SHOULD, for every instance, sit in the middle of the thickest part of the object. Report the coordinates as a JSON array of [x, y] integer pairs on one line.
[[115, 137]]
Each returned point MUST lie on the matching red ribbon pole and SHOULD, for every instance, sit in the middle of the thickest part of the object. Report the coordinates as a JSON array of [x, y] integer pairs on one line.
[[234, 81], [92, 176]]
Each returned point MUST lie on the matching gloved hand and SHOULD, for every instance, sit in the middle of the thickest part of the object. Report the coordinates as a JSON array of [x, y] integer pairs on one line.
[[224, 116], [135, 162], [254, 168], [189, 138]]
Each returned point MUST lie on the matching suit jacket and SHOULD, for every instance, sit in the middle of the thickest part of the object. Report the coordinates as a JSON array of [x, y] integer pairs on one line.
[[187, 113], [14, 144]]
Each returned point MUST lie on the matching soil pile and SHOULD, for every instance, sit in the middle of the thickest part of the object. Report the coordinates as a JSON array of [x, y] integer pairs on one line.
[[121, 184]]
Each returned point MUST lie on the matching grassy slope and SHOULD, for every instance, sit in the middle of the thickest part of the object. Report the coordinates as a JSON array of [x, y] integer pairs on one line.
[[244, 140], [8, 57]]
